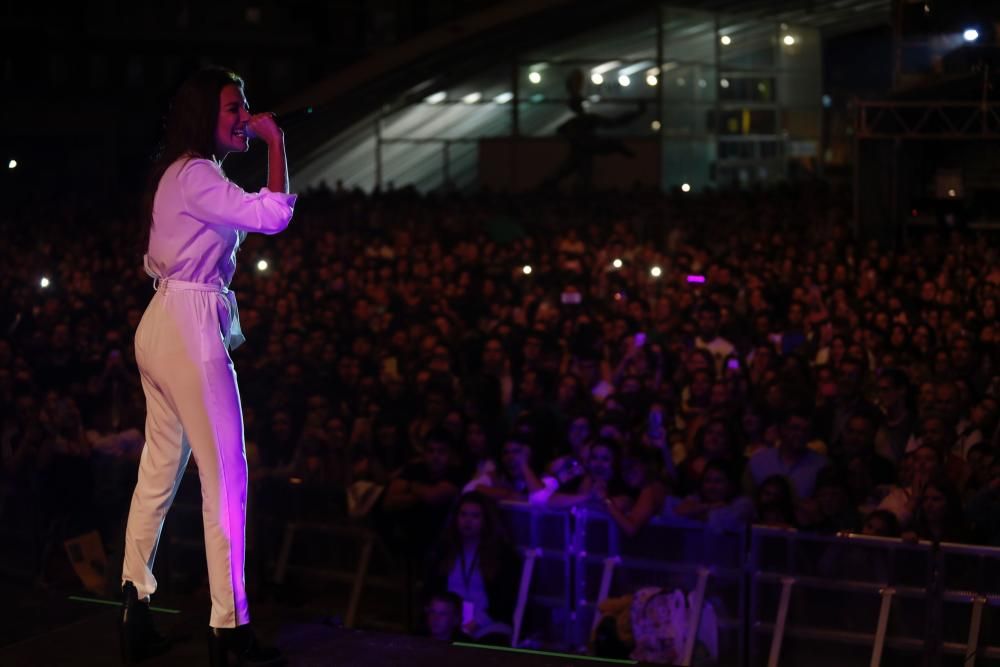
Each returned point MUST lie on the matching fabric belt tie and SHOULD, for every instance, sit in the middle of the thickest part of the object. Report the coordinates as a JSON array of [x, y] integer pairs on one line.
[[234, 335]]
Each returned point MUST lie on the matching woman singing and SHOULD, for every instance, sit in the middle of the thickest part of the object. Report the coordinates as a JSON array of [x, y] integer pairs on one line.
[[197, 221]]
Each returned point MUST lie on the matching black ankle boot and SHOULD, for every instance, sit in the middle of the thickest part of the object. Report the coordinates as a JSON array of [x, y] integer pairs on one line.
[[242, 644], [139, 638]]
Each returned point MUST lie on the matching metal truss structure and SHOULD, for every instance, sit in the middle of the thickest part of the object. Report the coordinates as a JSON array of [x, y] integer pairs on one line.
[[927, 120]]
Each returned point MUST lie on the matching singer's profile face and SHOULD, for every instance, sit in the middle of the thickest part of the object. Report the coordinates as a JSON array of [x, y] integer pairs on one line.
[[231, 130]]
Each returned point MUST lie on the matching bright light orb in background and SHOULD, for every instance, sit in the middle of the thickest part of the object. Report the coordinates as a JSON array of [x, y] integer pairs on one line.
[[596, 78], [12, 164], [970, 35], [44, 282], [726, 40], [624, 81], [526, 269], [789, 40], [617, 263], [535, 78], [262, 265], [685, 187], [656, 272]]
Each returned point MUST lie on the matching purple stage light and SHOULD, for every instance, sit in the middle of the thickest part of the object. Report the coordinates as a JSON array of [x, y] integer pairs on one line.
[[695, 278]]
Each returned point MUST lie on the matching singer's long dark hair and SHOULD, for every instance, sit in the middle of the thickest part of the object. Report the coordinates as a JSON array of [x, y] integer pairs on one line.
[[189, 126]]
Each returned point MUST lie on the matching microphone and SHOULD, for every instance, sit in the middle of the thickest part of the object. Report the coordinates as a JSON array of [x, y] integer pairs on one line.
[[285, 119], [292, 117]]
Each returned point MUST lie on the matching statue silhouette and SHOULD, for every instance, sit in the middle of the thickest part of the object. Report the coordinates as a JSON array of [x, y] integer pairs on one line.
[[581, 133]]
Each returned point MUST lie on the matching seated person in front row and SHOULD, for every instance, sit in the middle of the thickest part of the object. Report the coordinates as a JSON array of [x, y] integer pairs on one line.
[[443, 617], [476, 562]]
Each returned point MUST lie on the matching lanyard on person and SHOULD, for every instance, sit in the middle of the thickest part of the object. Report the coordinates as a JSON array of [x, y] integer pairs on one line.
[[467, 573]]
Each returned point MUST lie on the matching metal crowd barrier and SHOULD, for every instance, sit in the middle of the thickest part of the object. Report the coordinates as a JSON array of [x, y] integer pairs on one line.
[[779, 596], [545, 537], [854, 600], [585, 559]]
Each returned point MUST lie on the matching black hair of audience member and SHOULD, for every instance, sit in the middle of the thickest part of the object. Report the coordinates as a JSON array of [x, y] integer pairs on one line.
[[795, 412], [899, 379], [387, 448], [441, 435], [880, 523], [835, 507], [691, 470], [443, 617], [731, 474], [615, 486], [478, 449], [773, 502], [939, 516], [442, 384]]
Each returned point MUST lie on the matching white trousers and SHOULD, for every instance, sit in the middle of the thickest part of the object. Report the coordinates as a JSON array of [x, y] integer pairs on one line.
[[192, 407]]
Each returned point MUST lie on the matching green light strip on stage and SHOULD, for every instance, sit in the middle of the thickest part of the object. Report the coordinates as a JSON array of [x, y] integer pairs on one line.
[[112, 603], [552, 654]]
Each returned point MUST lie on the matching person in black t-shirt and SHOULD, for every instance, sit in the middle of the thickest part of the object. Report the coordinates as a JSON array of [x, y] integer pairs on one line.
[[420, 496]]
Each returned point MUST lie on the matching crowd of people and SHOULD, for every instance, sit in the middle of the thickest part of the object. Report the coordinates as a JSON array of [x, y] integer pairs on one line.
[[728, 358]]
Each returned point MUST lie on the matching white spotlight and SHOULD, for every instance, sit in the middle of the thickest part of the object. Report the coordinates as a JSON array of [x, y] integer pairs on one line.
[[617, 263], [262, 265], [726, 40], [651, 80], [789, 40], [535, 77], [596, 78], [526, 269], [624, 81], [655, 125], [12, 164], [724, 83], [685, 187], [44, 282], [436, 98], [655, 271], [503, 98], [970, 35], [472, 98]]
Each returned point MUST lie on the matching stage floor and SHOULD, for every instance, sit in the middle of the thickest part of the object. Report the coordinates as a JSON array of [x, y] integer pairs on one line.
[[91, 641]]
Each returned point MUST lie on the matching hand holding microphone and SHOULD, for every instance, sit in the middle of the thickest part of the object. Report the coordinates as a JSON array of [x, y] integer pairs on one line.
[[264, 126], [258, 127]]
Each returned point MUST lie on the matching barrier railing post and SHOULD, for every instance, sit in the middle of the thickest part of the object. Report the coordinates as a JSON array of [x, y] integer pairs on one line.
[[522, 594], [602, 594], [883, 622], [972, 646], [359, 580], [779, 623], [694, 617]]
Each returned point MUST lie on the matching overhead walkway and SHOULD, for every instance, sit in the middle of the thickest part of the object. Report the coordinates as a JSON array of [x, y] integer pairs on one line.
[[728, 93]]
